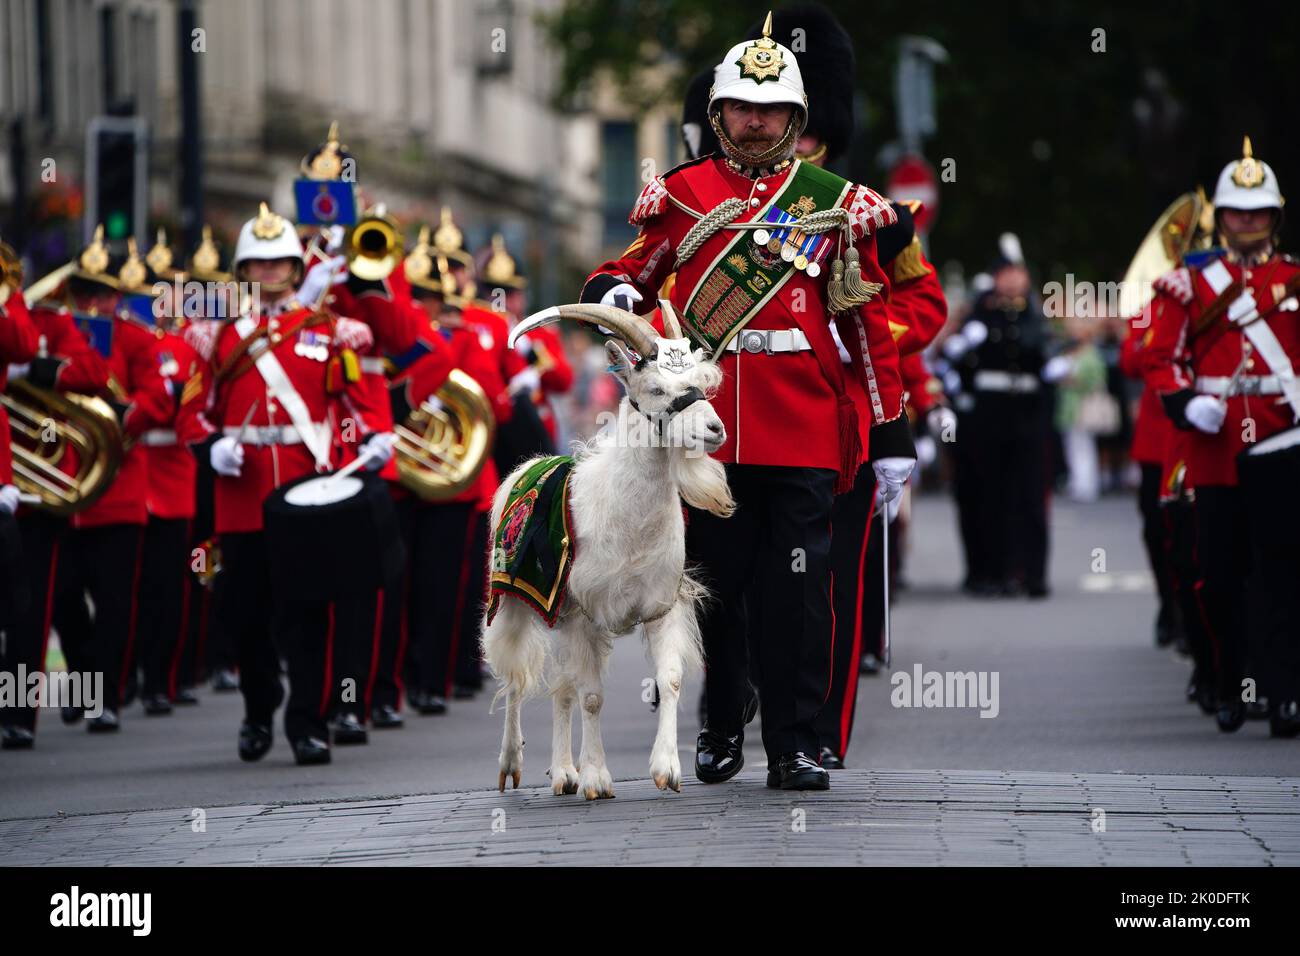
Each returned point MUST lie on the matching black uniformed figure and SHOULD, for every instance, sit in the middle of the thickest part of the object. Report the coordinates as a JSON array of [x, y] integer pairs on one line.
[[1002, 355]]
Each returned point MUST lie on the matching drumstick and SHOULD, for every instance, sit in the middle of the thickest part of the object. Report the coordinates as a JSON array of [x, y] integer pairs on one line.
[[248, 417], [348, 469]]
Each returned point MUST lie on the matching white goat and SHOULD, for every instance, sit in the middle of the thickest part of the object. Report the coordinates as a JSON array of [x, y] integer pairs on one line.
[[626, 490]]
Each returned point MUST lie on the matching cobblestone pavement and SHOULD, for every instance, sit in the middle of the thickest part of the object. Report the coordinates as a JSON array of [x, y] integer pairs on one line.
[[875, 818]]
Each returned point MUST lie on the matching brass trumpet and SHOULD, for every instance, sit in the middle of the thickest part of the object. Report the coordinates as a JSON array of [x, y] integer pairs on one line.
[[374, 246], [45, 428], [440, 452]]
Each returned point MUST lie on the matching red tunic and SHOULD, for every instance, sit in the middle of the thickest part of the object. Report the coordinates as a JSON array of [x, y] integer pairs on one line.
[[172, 466], [780, 409], [1181, 298], [134, 380], [18, 343], [1152, 428], [306, 354]]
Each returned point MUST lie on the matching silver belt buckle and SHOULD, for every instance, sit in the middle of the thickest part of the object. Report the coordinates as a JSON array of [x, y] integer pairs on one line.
[[755, 342], [1250, 385]]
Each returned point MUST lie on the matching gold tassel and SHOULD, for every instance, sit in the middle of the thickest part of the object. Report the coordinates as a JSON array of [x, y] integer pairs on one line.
[[847, 289]]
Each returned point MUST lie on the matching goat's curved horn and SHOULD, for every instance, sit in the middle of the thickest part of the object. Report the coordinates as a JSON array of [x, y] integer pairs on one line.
[[631, 328], [672, 327]]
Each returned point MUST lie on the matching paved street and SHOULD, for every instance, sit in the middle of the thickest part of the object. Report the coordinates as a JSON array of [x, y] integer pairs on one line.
[[1090, 717]]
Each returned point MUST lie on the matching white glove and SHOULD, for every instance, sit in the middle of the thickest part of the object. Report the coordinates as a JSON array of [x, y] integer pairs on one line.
[[378, 448], [623, 290], [975, 332], [227, 457], [942, 421], [891, 476], [335, 241], [1207, 413], [432, 404], [1056, 368], [526, 381], [8, 499], [955, 346], [16, 372], [320, 277]]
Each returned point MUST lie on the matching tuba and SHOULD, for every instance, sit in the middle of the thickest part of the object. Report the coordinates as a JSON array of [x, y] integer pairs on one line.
[[1186, 225], [440, 451], [49, 430]]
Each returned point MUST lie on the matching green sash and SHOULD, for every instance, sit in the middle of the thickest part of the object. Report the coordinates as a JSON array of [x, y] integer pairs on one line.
[[532, 546], [744, 276]]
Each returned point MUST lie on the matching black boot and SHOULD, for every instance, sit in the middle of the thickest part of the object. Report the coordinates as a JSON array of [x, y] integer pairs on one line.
[[1230, 715], [348, 729], [17, 738], [157, 705], [1285, 720], [385, 716], [254, 741], [797, 771], [830, 760], [310, 750], [105, 723]]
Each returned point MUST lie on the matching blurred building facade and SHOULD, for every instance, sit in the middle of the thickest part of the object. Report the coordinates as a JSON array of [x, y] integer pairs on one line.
[[441, 101]]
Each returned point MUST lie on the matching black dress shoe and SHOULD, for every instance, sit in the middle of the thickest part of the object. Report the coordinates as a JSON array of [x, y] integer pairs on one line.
[[869, 665], [1285, 720], [718, 757], [797, 771], [1230, 716], [1258, 709], [830, 760], [225, 681], [17, 738], [427, 703], [1037, 590], [105, 723], [384, 717], [70, 715], [157, 705], [348, 729], [310, 750], [186, 697], [254, 741]]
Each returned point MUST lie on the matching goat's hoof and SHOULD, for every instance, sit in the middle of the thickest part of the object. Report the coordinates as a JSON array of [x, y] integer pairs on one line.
[[666, 770], [564, 780], [596, 783], [501, 780]]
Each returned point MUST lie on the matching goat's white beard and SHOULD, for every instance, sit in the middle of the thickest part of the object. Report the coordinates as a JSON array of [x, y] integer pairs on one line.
[[702, 482]]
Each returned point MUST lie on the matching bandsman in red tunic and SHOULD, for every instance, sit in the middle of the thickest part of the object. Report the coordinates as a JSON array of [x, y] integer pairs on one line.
[[767, 251], [279, 375], [65, 362], [19, 341], [104, 548], [1223, 360]]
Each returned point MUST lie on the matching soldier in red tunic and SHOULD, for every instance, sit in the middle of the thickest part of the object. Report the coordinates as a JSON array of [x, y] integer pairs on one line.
[[1222, 357], [768, 251], [19, 341], [65, 362], [102, 555], [165, 581], [278, 376]]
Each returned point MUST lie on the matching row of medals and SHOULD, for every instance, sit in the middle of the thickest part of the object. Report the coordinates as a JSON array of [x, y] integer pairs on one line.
[[789, 251]]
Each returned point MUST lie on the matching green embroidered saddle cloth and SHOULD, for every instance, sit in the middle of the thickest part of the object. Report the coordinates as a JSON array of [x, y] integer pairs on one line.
[[532, 545]]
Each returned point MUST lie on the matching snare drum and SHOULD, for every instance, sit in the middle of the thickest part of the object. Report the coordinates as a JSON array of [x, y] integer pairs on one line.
[[331, 537]]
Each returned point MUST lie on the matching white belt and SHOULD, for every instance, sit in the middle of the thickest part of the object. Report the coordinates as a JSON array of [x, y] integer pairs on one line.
[[1246, 385], [775, 340], [373, 365], [158, 437], [267, 434], [990, 380]]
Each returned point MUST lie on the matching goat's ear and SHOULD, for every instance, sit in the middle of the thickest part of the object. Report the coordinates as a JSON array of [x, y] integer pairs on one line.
[[620, 360]]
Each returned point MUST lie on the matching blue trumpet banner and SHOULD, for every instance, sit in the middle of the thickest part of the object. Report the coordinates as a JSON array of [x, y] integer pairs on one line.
[[328, 202]]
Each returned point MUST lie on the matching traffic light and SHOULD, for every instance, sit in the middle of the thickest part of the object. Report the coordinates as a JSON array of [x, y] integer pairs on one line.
[[116, 176]]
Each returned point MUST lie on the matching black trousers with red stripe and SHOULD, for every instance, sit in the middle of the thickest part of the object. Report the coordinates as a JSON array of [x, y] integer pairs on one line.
[[165, 593], [101, 563], [387, 677], [778, 542], [40, 536], [851, 529], [1223, 559], [466, 654], [443, 561]]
